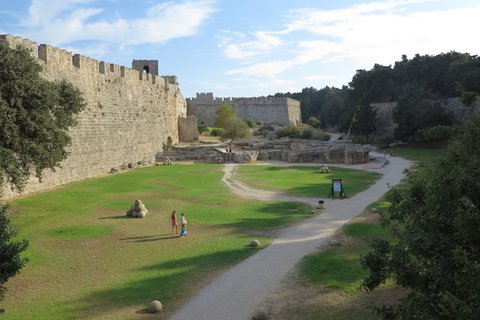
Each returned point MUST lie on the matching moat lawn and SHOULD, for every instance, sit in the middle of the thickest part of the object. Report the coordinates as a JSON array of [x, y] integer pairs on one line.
[[89, 261], [305, 181]]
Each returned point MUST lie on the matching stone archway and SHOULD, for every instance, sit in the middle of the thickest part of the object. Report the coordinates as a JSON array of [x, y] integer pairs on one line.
[[146, 69]]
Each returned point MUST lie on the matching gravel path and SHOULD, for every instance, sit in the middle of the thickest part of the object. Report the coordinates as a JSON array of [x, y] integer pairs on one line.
[[236, 294]]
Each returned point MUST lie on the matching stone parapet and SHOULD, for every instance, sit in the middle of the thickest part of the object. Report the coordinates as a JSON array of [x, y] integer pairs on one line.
[[269, 110], [128, 117]]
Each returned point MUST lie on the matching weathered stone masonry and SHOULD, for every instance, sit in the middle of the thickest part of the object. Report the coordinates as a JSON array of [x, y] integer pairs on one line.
[[269, 110], [128, 117]]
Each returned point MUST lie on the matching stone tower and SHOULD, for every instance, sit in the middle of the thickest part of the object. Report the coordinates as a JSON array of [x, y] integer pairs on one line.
[[148, 66]]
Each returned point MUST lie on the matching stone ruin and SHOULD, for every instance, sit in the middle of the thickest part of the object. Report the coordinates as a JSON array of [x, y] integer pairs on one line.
[[291, 150], [137, 210]]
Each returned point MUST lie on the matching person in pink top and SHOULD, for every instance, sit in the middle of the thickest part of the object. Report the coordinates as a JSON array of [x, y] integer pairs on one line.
[[174, 221]]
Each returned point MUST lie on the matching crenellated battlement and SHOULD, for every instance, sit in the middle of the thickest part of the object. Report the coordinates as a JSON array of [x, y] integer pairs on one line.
[[64, 59], [270, 109], [129, 114], [207, 97]]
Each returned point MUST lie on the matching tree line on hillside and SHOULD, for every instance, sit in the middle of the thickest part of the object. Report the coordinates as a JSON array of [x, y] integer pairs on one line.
[[420, 86]]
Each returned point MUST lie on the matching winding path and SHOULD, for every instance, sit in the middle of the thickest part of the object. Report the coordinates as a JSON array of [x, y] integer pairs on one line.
[[235, 294]]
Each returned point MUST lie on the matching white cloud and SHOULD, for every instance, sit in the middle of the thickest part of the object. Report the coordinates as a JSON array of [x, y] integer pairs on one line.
[[263, 69], [365, 34], [42, 12], [65, 21], [261, 44]]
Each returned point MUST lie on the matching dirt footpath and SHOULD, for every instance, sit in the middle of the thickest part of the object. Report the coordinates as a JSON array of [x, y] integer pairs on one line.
[[237, 293]]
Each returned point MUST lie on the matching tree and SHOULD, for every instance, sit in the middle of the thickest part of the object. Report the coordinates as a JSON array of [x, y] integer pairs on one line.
[[436, 225], [365, 119], [234, 127], [10, 260], [35, 115], [418, 109], [225, 113]]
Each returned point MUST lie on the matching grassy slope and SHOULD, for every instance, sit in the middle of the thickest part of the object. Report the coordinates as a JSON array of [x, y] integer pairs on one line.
[[88, 261], [337, 271], [305, 180]]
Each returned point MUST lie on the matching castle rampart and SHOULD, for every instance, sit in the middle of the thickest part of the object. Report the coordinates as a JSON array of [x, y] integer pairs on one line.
[[269, 110], [128, 117], [385, 124]]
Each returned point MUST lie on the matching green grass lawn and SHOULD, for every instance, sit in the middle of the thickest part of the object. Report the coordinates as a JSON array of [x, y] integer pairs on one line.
[[305, 181], [337, 271], [419, 152], [89, 261], [340, 267]]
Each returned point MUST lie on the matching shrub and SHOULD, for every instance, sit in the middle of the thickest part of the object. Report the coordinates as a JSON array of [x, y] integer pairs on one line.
[[290, 131], [202, 128], [259, 123], [384, 141], [319, 135], [307, 134], [361, 139], [438, 133], [265, 129], [314, 122], [216, 132], [251, 123]]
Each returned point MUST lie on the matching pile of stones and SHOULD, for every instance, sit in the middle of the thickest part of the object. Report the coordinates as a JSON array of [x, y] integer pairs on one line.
[[137, 210], [324, 169]]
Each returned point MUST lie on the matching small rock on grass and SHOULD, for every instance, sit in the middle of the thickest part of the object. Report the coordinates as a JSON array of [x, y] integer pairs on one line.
[[155, 306], [335, 243], [254, 243], [260, 314]]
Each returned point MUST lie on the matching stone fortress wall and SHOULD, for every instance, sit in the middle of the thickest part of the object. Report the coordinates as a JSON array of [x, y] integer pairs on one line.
[[386, 126], [269, 110], [128, 117]]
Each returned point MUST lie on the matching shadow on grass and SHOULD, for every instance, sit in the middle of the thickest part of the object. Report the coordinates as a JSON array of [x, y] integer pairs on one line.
[[167, 282], [156, 237], [123, 216], [315, 190], [271, 216]]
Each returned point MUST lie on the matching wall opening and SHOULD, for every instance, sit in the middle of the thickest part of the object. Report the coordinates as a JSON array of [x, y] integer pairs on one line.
[[146, 69], [169, 141]]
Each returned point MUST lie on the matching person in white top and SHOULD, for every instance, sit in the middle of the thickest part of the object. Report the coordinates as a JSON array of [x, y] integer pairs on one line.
[[184, 225]]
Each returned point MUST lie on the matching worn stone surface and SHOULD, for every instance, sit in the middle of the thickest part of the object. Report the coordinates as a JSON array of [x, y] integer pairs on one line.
[[127, 118], [188, 129], [269, 110], [285, 150]]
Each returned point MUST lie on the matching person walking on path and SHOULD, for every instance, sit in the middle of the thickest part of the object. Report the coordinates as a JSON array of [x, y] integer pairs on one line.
[[174, 221], [184, 225]]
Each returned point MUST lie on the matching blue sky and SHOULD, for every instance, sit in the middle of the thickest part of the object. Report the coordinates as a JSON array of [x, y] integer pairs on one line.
[[246, 48]]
